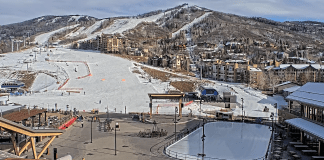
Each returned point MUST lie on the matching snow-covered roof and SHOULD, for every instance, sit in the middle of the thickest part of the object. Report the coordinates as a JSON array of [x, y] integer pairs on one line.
[[281, 84], [268, 67], [235, 61], [265, 61], [291, 89], [298, 66], [311, 93], [307, 126], [255, 69]]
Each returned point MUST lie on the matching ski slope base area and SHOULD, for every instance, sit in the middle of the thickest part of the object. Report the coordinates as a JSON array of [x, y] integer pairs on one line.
[[224, 140]]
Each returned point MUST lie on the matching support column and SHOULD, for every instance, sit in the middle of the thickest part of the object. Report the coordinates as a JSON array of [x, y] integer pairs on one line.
[[32, 139], [289, 106], [320, 148], [180, 107], [39, 116], [308, 110], [302, 134], [150, 105], [32, 125], [13, 141], [302, 110], [45, 119]]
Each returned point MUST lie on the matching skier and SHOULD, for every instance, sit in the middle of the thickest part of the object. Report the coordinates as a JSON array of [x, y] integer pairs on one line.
[[99, 101], [84, 92], [81, 124]]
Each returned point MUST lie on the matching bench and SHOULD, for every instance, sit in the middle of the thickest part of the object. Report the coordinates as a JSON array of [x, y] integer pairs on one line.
[[309, 151], [295, 143], [318, 157], [296, 156], [300, 146]]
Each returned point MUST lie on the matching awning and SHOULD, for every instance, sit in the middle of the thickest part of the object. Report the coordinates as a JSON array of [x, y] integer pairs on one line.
[[307, 126]]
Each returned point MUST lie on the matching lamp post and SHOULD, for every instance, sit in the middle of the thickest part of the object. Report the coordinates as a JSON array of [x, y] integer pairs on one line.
[[116, 126], [203, 140], [272, 129], [175, 123], [91, 128], [242, 110]]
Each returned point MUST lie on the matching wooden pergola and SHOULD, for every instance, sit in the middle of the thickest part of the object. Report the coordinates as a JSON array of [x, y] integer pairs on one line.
[[178, 96], [15, 128]]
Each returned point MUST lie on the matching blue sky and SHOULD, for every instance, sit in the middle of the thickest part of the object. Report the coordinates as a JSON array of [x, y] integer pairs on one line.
[[12, 11]]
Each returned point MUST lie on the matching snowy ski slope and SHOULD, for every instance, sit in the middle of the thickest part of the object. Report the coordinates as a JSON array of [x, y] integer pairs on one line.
[[43, 38], [189, 25]]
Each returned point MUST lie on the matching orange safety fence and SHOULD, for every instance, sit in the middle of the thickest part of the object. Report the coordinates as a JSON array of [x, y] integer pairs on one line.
[[63, 84], [67, 124], [188, 103]]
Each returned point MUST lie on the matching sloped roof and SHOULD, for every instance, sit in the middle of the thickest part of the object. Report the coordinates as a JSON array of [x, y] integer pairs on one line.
[[298, 66], [282, 84], [307, 126], [292, 89], [255, 69], [311, 94], [268, 67], [18, 116]]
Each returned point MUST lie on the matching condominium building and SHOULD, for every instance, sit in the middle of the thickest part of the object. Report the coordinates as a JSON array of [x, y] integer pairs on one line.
[[231, 71], [300, 73]]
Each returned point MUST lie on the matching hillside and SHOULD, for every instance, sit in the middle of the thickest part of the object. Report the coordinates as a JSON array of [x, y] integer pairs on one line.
[[183, 24]]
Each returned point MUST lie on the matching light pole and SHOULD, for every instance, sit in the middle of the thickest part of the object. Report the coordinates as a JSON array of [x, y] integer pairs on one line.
[[175, 123], [116, 126], [203, 140], [272, 129], [242, 110], [91, 128]]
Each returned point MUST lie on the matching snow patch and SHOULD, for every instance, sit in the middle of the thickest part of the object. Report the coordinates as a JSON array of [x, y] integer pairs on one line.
[[75, 18], [55, 19], [40, 19]]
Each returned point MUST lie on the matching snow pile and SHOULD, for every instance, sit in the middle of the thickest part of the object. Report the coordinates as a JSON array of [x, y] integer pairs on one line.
[[43, 38], [224, 140]]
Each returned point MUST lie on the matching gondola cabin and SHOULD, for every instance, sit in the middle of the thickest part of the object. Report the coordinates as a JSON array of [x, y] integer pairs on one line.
[[206, 91]]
